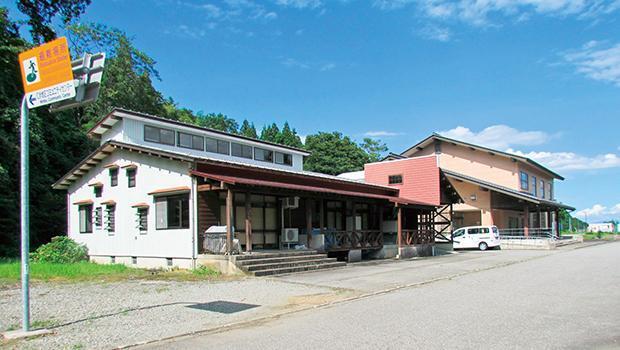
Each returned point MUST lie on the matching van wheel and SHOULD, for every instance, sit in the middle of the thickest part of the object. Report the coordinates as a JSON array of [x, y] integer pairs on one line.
[[483, 246]]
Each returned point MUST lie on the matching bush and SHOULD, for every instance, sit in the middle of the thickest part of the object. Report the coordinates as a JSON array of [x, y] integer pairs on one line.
[[61, 250]]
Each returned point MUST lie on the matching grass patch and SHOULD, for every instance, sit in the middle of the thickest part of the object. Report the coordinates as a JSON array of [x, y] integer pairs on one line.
[[10, 272], [598, 235]]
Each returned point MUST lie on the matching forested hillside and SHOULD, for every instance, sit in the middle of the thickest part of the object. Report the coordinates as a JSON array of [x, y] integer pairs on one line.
[[58, 140]]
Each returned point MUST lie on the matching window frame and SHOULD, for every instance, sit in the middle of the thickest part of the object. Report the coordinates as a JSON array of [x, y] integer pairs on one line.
[[85, 212], [142, 214], [159, 133], [525, 180], [534, 186], [184, 222], [98, 190], [543, 189], [242, 148], [390, 177], [192, 138], [98, 221], [113, 176], [263, 150], [218, 146], [110, 218], [134, 171], [284, 157]]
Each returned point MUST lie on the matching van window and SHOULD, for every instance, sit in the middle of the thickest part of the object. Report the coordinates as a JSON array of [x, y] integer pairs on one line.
[[484, 230], [473, 231], [458, 232]]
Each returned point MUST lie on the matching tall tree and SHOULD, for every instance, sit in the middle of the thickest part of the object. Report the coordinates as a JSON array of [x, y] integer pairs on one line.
[[41, 13], [270, 133], [333, 153], [374, 148], [127, 80], [289, 137], [218, 121], [248, 130]]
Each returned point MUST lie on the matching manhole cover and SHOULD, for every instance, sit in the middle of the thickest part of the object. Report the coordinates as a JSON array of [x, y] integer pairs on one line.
[[223, 307]]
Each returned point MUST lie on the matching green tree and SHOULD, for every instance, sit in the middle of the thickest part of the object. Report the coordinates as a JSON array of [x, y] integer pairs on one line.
[[247, 129], [126, 82], [289, 137], [374, 148], [333, 153], [270, 133], [41, 13], [218, 121]]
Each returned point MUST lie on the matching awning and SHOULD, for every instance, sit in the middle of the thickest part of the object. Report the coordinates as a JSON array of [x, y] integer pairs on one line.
[[96, 184], [129, 166], [233, 180], [109, 202], [171, 190], [83, 202], [140, 205], [505, 190]]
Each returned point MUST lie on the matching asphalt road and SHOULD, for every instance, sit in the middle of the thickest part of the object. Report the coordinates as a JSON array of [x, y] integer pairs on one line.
[[566, 299]]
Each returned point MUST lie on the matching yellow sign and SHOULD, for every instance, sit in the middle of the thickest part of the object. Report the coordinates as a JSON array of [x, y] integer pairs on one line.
[[46, 73]]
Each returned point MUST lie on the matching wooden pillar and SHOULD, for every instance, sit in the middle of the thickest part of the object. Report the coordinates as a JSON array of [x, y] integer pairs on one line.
[[308, 222], [539, 218], [322, 215], [354, 239], [381, 219], [248, 223], [556, 222], [229, 239], [526, 221], [399, 228]]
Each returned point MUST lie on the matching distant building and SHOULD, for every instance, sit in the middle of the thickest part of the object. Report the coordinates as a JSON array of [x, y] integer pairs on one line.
[[602, 227]]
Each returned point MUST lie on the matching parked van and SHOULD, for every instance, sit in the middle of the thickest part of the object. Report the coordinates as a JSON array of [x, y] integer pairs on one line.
[[481, 237]]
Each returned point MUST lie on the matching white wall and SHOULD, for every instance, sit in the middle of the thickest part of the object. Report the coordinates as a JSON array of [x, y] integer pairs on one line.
[[153, 173], [133, 132]]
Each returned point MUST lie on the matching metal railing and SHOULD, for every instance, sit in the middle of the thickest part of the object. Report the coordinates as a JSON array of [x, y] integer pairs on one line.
[[347, 240], [532, 233]]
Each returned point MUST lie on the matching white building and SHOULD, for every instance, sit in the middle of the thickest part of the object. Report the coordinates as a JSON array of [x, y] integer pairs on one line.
[[602, 227], [153, 186]]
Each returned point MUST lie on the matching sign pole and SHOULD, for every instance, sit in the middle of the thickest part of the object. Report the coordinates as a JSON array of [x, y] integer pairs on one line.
[[25, 213]]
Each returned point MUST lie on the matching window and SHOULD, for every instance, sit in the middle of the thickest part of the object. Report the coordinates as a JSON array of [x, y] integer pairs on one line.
[[142, 219], [110, 219], [172, 212], [112, 260], [98, 191], [263, 155], [550, 186], [113, 177], [542, 189], [395, 179], [239, 150], [86, 218], [134, 260], [534, 186], [158, 135], [473, 231], [190, 141], [218, 146], [168, 261], [131, 177], [98, 217], [284, 158], [459, 232], [525, 182]]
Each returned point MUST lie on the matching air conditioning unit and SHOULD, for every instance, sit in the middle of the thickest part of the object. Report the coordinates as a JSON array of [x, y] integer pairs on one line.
[[290, 235], [290, 203]]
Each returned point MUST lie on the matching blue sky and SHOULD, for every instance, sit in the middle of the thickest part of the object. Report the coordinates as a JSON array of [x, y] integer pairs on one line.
[[538, 77]]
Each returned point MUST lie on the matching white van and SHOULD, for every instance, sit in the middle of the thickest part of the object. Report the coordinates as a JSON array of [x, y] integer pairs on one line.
[[481, 237]]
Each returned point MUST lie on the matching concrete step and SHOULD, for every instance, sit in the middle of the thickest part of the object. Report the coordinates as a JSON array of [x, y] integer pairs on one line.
[[281, 259], [280, 265], [275, 254], [281, 271]]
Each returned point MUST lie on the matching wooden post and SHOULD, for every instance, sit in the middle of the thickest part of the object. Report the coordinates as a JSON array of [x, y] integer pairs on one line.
[[248, 223], [381, 219], [399, 228], [229, 240], [556, 222], [526, 221], [308, 222], [322, 215]]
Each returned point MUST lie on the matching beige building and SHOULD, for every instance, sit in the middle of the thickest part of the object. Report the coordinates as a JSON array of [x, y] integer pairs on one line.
[[512, 192]]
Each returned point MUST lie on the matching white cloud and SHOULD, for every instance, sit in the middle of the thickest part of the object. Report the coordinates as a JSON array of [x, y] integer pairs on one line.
[[291, 62], [597, 61], [434, 32], [300, 4], [498, 136], [327, 66], [572, 161], [321, 67], [391, 4], [598, 211], [381, 133]]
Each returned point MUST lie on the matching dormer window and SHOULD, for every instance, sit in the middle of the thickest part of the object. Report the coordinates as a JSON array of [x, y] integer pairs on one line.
[[158, 135], [263, 155], [395, 179], [284, 158], [191, 141], [243, 151], [218, 146]]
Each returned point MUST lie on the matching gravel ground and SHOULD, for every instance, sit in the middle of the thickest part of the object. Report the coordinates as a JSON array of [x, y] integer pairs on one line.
[[108, 315]]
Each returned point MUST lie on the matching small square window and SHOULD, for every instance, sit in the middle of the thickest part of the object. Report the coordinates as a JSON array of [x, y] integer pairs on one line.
[[112, 260], [395, 179], [134, 260], [263, 155], [98, 191], [168, 261], [284, 158]]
